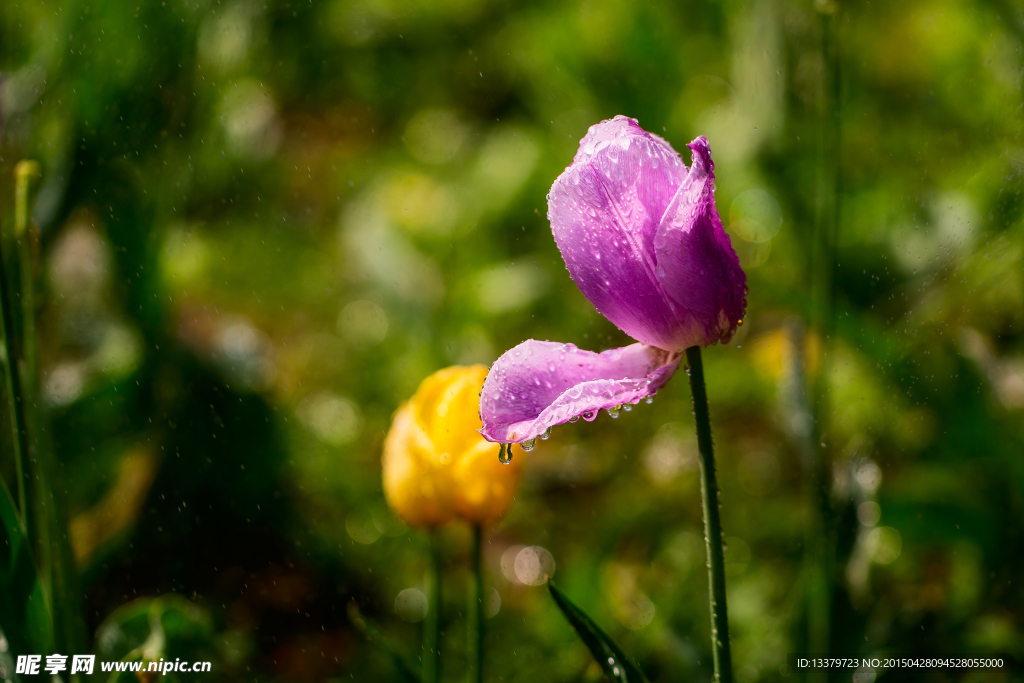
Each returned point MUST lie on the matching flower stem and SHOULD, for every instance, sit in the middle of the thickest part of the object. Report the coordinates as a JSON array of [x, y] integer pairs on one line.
[[822, 532], [27, 237], [712, 522], [475, 624], [432, 624]]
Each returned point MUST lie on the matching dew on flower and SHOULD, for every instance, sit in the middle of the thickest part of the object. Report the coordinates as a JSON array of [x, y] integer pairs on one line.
[[525, 445], [613, 412], [505, 453], [546, 435]]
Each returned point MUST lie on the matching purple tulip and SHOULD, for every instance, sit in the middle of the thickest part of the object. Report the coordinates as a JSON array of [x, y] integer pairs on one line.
[[643, 241]]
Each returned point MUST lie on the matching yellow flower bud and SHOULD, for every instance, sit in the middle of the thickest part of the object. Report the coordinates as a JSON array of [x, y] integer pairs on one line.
[[436, 466]]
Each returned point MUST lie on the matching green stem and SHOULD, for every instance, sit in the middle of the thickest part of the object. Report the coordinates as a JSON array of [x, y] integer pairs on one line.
[[475, 623], [432, 624], [26, 236], [821, 546], [712, 522], [15, 393], [55, 566]]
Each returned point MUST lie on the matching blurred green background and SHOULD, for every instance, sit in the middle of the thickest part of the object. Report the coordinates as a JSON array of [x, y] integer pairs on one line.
[[264, 223]]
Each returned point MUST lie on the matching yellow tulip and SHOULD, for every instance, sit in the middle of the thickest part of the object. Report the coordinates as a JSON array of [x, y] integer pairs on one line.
[[436, 466]]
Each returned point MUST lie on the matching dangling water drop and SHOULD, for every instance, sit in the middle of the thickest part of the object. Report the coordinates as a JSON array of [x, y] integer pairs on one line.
[[649, 400], [505, 453], [627, 407], [546, 435], [613, 412], [590, 415], [526, 445], [574, 418]]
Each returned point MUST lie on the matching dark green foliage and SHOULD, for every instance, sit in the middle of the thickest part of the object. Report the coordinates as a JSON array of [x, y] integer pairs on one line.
[[617, 665]]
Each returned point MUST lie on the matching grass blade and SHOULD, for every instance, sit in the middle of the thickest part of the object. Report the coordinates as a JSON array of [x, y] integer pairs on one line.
[[616, 664], [24, 609]]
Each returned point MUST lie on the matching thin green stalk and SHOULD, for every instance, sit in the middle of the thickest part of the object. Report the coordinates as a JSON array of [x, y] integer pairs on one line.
[[27, 471], [712, 522], [475, 622], [432, 624], [54, 550], [15, 393], [821, 545], [27, 237]]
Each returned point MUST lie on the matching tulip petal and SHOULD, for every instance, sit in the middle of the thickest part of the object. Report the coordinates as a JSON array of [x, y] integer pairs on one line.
[[697, 265], [605, 210], [417, 485], [484, 487], [539, 384]]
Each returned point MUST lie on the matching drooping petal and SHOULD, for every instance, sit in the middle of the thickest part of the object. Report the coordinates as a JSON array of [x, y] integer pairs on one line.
[[697, 265], [539, 384], [604, 212]]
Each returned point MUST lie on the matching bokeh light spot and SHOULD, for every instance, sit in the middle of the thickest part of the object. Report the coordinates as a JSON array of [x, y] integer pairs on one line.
[[434, 136], [755, 216], [363, 323], [759, 473], [362, 527], [492, 603], [333, 419], [869, 512], [411, 605], [672, 450], [534, 566], [884, 544]]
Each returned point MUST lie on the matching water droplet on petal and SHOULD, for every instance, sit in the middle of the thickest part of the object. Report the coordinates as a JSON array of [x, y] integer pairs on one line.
[[527, 445], [649, 400], [627, 407], [505, 453], [546, 435], [613, 412], [590, 415], [574, 418]]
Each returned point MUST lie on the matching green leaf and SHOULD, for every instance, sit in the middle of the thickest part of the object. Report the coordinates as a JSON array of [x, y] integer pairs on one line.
[[617, 665], [13, 525], [375, 637], [148, 629], [24, 609]]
